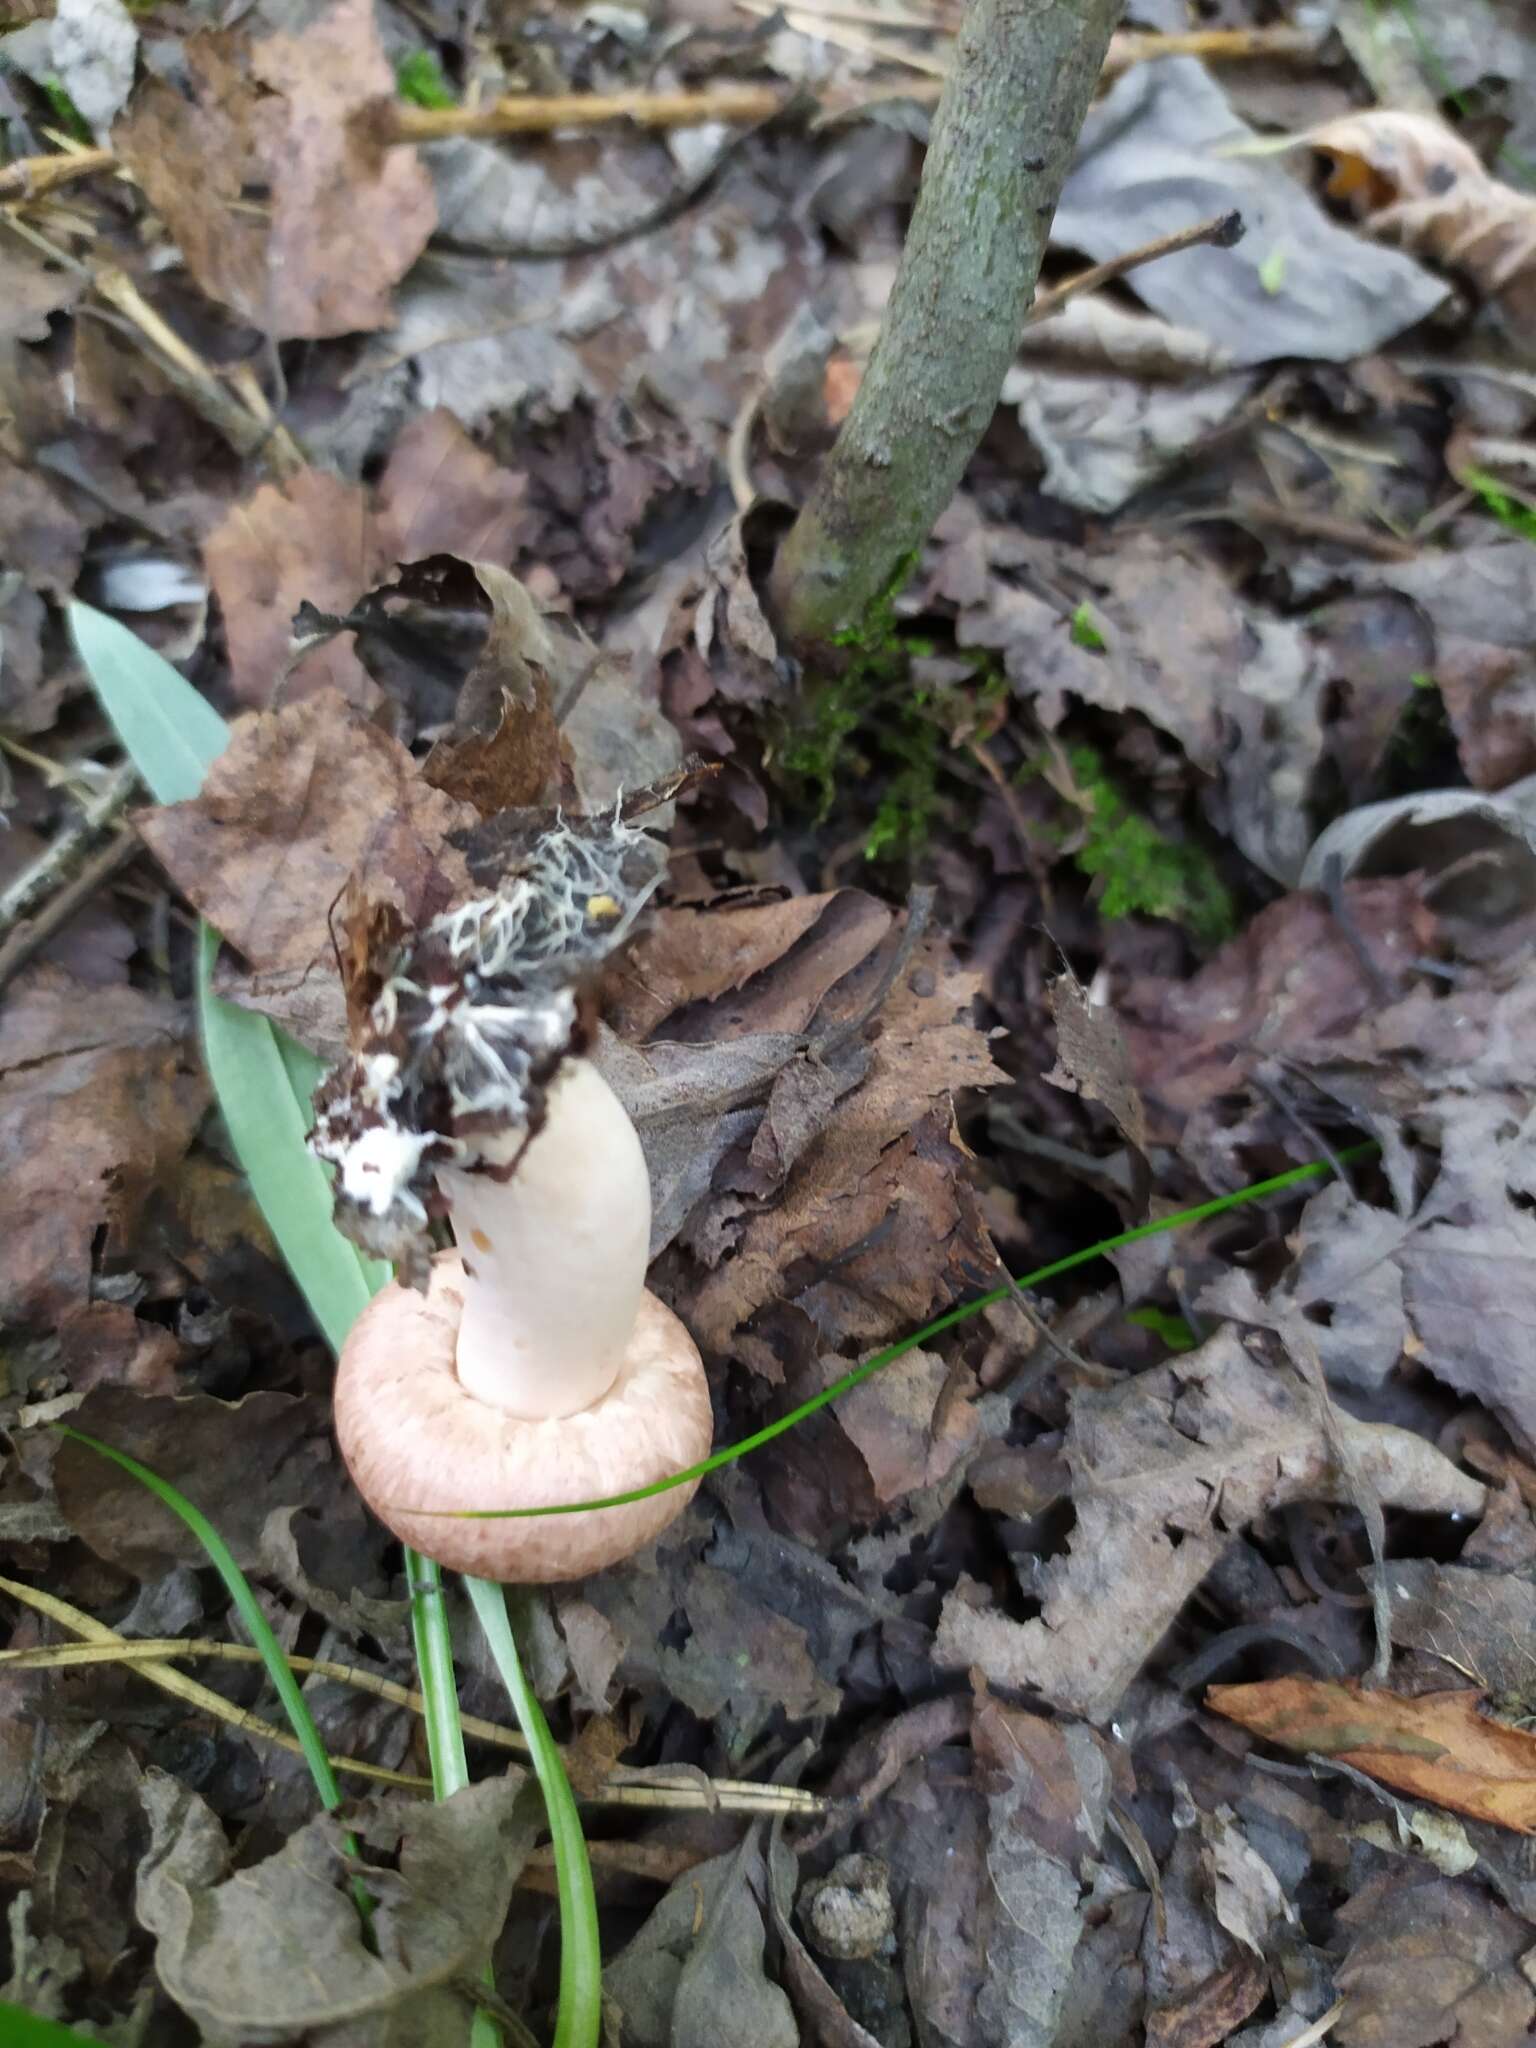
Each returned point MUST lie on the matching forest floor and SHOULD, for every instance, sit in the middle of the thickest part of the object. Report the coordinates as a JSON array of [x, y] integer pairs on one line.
[[1160, 1642]]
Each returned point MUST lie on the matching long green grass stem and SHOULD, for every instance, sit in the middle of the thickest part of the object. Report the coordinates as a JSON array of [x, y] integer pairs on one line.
[[257, 1627], [580, 2018], [1275, 1185]]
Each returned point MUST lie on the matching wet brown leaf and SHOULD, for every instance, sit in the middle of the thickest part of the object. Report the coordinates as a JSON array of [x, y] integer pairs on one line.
[[311, 540], [1166, 1470], [101, 1098], [1437, 1747], [297, 115]]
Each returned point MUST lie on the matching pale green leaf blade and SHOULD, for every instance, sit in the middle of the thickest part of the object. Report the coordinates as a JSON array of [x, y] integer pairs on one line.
[[172, 735], [267, 1123]]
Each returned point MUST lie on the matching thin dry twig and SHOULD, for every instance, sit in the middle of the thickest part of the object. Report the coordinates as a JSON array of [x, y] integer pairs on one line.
[[67, 848], [28, 940], [1223, 230], [624, 1786], [32, 177], [518, 114]]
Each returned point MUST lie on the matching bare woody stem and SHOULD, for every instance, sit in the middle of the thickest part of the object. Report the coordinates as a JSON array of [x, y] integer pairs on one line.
[[1022, 77]]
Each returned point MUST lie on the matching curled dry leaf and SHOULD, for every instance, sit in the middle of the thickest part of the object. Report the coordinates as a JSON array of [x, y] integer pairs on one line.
[[1417, 183], [1167, 1469], [1439, 1747]]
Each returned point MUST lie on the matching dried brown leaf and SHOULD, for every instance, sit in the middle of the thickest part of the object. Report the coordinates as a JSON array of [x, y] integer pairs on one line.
[[299, 802], [1433, 1960], [504, 752], [1092, 1059], [101, 1098], [296, 114], [441, 495], [1417, 183], [311, 540], [1438, 1747]]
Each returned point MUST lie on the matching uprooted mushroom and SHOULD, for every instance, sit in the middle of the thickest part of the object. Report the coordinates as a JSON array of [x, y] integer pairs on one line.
[[527, 1366]]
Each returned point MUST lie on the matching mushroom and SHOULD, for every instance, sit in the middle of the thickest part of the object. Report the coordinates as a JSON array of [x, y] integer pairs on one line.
[[528, 1366]]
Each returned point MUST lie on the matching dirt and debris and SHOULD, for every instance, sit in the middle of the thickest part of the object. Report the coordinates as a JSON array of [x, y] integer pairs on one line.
[[1146, 1658]]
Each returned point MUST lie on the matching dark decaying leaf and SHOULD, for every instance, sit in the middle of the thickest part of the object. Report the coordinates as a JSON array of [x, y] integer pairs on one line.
[[236, 1460], [274, 1952], [1166, 1470], [100, 1101], [1432, 1959], [1477, 1625], [693, 1977]]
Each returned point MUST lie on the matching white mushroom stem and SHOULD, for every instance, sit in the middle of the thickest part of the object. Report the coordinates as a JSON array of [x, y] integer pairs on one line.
[[554, 1258]]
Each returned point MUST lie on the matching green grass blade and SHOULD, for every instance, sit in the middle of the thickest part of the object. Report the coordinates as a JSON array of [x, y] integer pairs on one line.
[[580, 2018], [728, 1456], [19, 2029], [253, 1076], [222, 1558], [172, 735]]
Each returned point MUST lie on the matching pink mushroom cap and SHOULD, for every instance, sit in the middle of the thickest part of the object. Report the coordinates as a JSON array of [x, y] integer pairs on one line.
[[419, 1447]]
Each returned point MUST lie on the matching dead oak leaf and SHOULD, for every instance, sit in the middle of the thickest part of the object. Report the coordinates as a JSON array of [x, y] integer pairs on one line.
[[299, 801], [101, 1098], [310, 540], [1438, 1747], [1166, 1471], [348, 214]]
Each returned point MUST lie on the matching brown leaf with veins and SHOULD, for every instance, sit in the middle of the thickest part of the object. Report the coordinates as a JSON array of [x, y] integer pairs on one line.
[[710, 974], [877, 1223], [298, 115], [310, 540], [299, 801], [1437, 1747], [1167, 1469], [101, 1098]]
